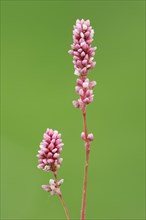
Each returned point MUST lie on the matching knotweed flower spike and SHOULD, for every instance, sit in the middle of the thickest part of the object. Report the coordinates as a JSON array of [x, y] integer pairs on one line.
[[50, 149], [49, 160], [83, 53], [83, 56], [85, 90]]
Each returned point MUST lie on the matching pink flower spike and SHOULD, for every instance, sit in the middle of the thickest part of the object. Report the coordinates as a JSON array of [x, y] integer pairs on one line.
[[81, 47], [49, 152], [83, 60]]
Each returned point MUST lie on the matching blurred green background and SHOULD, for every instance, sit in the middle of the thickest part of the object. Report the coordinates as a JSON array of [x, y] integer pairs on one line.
[[37, 91]]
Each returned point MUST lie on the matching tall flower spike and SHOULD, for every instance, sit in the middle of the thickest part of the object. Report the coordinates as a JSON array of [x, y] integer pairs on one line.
[[82, 52], [50, 149], [83, 55]]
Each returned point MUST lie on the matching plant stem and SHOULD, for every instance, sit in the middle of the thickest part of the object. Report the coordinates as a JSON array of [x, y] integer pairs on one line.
[[65, 208], [87, 145], [62, 200]]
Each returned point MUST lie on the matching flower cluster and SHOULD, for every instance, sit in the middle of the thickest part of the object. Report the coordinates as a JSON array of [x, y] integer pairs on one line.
[[83, 55], [53, 187], [85, 89], [90, 137], [82, 52], [50, 149]]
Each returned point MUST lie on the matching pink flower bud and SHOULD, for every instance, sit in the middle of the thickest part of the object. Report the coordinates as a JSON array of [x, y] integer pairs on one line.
[[76, 73], [77, 89], [89, 92], [54, 187], [81, 92], [50, 155], [90, 137], [84, 62], [85, 85], [83, 136], [70, 52], [60, 182], [54, 150], [79, 82], [83, 54], [86, 101], [92, 84], [60, 145], [46, 137], [56, 155], [75, 104], [91, 98], [46, 188], [85, 27], [40, 166], [60, 160], [80, 50]]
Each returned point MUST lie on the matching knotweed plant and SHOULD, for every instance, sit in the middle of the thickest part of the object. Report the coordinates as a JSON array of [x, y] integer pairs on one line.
[[51, 145], [50, 161], [83, 56]]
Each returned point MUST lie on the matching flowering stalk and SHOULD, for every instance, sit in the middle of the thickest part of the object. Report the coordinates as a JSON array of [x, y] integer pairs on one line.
[[49, 153], [62, 200], [83, 55]]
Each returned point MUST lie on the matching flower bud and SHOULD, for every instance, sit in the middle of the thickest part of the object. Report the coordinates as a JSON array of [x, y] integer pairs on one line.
[[90, 137]]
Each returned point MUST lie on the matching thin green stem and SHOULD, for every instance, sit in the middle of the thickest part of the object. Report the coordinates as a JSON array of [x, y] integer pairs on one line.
[[62, 200], [65, 208], [87, 145]]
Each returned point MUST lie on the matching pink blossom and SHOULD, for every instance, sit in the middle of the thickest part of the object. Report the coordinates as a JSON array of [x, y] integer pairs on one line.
[[82, 52], [90, 137], [50, 149], [83, 55], [85, 90], [54, 187]]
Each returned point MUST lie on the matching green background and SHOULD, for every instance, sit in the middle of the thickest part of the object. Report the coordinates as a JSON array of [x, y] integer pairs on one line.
[[37, 91]]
